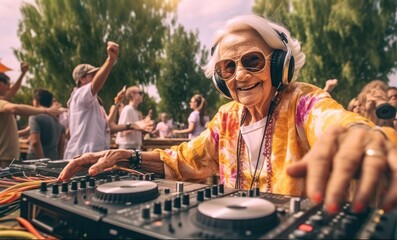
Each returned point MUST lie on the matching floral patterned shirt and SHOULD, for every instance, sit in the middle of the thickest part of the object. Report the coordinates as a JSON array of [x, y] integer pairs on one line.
[[303, 114]]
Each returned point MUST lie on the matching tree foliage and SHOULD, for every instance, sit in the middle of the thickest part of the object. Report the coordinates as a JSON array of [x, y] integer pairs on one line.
[[181, 75], [354, 41], [58, 35]]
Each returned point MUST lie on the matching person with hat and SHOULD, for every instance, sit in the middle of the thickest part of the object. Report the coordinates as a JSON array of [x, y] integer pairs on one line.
[[88, 126]]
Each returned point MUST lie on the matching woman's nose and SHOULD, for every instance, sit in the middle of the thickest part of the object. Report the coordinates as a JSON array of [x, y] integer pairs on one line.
[[241, 73]]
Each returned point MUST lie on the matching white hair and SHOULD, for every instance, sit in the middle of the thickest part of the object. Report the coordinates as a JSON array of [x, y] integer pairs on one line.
[[266, 29]]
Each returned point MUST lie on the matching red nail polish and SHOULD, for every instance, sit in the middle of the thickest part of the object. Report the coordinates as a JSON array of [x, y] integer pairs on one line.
[[317, 197], [332, 208], [358, 207]]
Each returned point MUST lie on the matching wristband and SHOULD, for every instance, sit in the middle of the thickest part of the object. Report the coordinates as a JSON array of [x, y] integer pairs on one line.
[[116, 100], [136, 159]]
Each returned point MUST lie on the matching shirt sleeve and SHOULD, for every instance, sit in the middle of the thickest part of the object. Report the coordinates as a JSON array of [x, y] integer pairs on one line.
[[195, 160], [34, 125], [125, 116], [316, 110], [85, 96], [193, 117]]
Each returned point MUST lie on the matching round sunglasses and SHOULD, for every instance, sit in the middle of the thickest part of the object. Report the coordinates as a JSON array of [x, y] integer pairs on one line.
[[254, 62]]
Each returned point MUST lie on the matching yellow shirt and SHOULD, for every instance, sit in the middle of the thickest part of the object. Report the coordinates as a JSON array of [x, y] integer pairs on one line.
[[303, 114]]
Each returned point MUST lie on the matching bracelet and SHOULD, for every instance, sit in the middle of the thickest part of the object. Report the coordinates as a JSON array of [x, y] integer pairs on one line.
[[116, 100], [136, 159]]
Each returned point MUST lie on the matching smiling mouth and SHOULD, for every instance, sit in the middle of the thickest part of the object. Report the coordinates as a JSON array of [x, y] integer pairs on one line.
[[247, 88]]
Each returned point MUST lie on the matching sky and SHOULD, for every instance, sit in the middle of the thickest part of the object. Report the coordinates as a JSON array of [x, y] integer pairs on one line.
[[204, 15]]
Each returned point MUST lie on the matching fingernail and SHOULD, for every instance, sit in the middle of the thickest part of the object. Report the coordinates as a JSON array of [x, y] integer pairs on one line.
[[332, 208], [317, 197], [358, 207]]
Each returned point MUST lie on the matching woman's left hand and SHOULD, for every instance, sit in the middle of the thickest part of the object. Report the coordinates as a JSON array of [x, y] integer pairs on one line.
[[342, 154]]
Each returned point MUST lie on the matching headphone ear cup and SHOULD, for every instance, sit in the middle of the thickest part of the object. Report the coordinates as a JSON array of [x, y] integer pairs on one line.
[[291, 68], [277, 68], [220, 86]]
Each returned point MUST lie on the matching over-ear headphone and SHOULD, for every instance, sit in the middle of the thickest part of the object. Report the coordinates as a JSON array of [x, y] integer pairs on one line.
[[282, 67]]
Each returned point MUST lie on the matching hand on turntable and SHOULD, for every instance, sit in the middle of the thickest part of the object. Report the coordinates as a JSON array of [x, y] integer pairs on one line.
[[96, 162], [343, 154]]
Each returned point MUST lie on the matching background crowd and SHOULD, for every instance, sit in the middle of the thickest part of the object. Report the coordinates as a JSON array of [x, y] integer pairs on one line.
[[124, 125]]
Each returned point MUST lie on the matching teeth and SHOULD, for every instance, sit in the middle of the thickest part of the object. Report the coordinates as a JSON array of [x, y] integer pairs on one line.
[[248, 87]]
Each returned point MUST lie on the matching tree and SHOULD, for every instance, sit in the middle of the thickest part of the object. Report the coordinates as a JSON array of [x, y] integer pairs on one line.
[[354, 41], [58, 35], [181, 75]]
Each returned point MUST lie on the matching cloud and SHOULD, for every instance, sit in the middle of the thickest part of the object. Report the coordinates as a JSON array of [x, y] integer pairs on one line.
[[209, 15]]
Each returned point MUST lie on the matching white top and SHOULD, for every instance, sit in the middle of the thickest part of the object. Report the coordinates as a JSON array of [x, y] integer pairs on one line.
[[195, 118], [253, 135], [165, 129], [89, 130], [132, 138]]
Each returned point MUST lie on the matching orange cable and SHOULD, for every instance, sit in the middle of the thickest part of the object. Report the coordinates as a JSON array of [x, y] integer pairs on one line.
[[25, 223]]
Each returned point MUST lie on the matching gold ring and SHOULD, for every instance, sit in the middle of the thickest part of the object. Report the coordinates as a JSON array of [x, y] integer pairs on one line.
[[374, 153]]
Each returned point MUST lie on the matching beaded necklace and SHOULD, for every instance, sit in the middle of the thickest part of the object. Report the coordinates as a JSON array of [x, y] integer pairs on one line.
[[265, 142]]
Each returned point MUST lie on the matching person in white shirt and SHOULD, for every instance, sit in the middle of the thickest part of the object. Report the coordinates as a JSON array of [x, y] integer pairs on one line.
[[163, 128], [198, 119], [89, 130], [132, 139]]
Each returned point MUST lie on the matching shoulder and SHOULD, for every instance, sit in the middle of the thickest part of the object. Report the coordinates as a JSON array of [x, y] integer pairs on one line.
[[299, 91], [83, 91], [305, 88], [232, 106]]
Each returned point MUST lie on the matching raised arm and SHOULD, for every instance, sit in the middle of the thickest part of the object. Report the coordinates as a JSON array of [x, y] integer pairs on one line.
[[103, 72], [15, 87]]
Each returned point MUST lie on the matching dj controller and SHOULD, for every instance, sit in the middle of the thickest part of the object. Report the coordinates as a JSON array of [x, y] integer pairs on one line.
[[142, 206]]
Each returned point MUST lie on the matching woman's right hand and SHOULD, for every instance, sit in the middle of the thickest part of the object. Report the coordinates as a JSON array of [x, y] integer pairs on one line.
[[96, 162]]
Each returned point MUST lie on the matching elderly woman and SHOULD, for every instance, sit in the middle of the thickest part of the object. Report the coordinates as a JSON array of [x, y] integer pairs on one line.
[[279, 135]]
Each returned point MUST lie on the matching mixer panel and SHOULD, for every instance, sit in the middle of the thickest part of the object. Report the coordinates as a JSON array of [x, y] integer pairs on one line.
[[140, 206]]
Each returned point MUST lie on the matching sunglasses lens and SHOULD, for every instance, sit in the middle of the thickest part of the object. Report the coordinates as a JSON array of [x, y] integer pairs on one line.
[[225, 68], [253, 61]]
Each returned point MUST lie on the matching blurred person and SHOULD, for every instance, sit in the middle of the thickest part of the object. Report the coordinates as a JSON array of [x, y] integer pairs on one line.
[[374, 103], [354, 106], [47, 134], [392, 95], [277, 134], [11, 91], [132, 138], [63, 118], [88, 127], [164, 127], [9, 144], [198, 119]]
